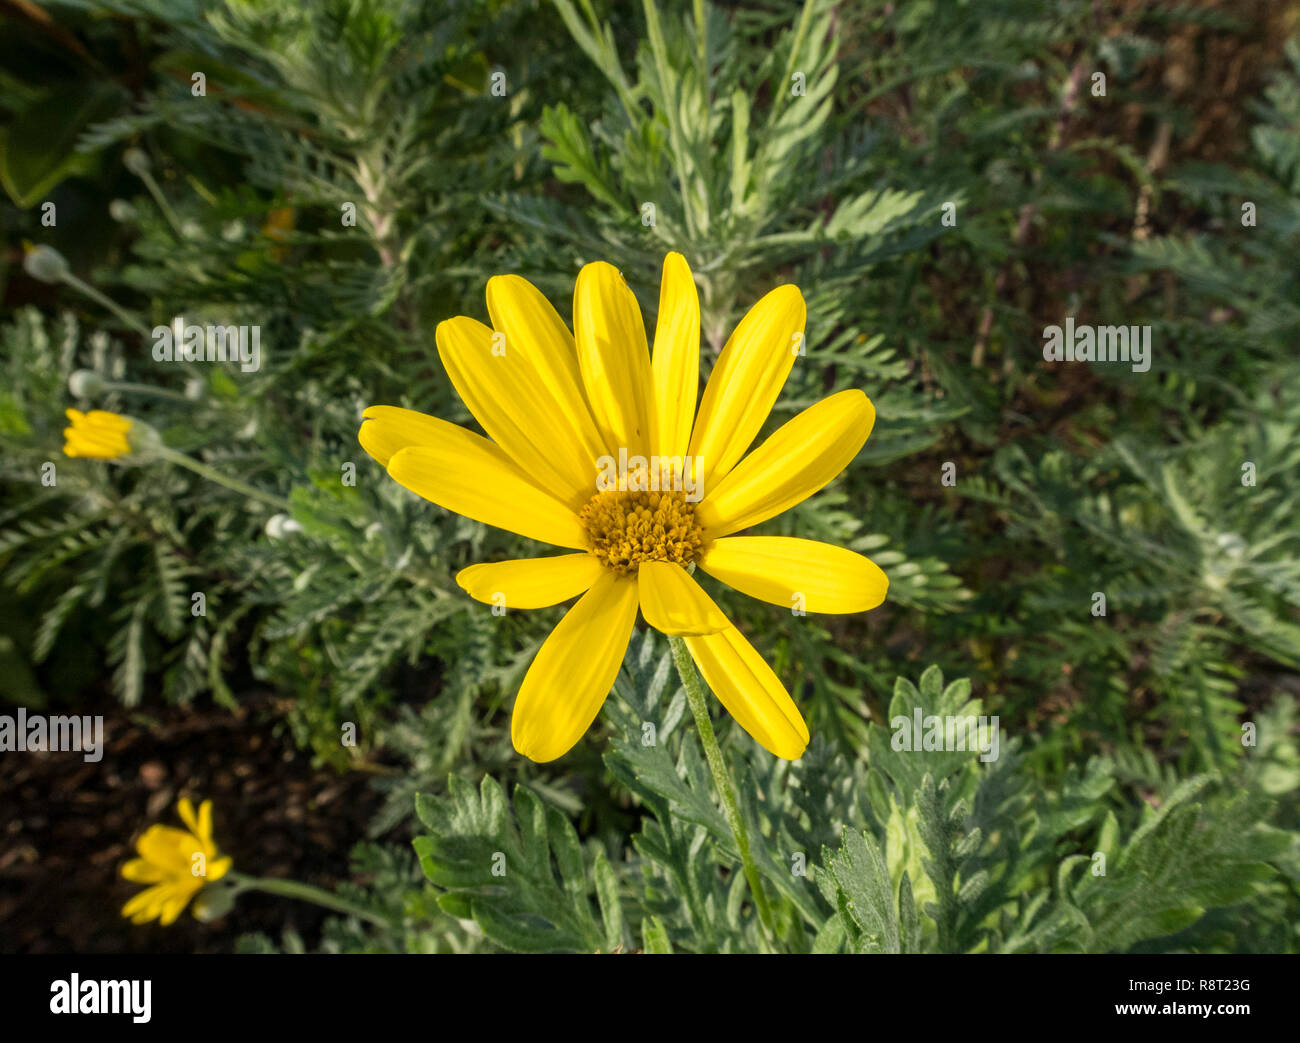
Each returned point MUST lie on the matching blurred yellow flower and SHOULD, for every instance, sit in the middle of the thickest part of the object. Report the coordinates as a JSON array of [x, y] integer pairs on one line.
[[278, 226], [595, 444], [177, 862], [98, 434]]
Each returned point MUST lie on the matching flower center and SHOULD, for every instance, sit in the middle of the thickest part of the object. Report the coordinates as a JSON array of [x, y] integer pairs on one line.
[[628, 528]]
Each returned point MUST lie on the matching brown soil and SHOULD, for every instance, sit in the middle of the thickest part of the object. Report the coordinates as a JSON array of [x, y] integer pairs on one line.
[[66, 826]]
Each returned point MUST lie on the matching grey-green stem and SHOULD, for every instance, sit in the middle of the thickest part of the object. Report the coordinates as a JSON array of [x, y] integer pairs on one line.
[[234, 484], [721, 777], [84, 288], [306, 893]]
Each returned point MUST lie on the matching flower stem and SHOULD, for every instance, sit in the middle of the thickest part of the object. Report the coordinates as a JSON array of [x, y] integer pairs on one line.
[[84, 288], [721, 777], [144, 389], [307, 893], [161, 200], [234, 484]]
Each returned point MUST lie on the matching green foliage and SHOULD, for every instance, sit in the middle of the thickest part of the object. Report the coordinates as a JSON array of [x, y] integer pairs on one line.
[[917, 850], [496, 868], [1007, 867], [941, 183]]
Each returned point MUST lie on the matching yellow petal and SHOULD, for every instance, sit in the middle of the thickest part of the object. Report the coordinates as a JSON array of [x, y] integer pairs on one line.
[[167, 847], [613, 356], [531, 582], [163, 902], [93, 447], [794, 573], [470, 476], [676, 365], [219, 867], [745, 382], [750, 691], [501, 391], [185, 808], [97, 435], [144, 906], [139, 871], [799, 458], [673, 603], [98, 420], [385, 430], [204, 832], [177, 899], [536, 333], [574, 670]]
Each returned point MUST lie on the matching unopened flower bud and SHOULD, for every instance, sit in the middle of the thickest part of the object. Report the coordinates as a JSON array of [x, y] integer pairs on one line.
[[144, 438], [101, 435], [136, 161], [281, 525], [46, 264], [85, 383], [213, 902]]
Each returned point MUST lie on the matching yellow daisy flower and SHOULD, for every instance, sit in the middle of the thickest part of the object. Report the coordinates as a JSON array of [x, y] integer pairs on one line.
[[170, 861], [98, 435], [558, 408]]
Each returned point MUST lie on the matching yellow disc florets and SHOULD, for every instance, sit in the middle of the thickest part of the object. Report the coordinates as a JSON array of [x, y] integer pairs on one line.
[[628, 528]]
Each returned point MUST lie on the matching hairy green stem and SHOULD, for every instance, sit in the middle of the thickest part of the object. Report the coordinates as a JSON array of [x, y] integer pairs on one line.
[[168, 213], [85, 288], [234, 484], [144, 389], [307, 893], [721, 777]]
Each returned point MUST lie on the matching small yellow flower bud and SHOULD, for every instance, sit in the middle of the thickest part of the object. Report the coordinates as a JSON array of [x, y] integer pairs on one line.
[[98, 435]]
